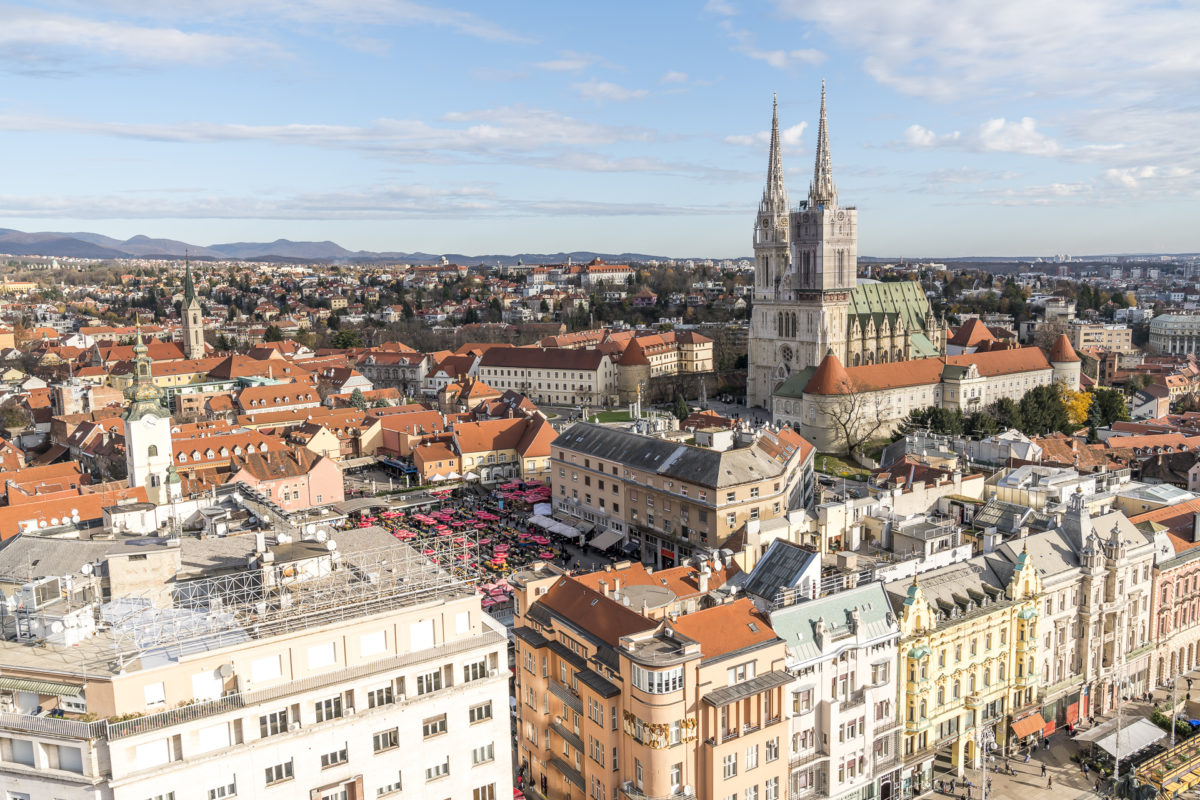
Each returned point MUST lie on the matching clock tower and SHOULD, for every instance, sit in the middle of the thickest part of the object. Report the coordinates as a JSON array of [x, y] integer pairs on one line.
[[148, 454]]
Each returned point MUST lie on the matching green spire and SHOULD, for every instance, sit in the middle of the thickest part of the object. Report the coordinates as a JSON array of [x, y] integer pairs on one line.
[[189, 291]]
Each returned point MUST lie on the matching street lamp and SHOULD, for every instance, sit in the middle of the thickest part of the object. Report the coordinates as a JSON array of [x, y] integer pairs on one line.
[[985, 740]]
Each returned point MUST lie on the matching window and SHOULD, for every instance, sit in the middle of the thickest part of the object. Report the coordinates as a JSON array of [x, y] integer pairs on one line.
[[753, 492], [484, 792], [658, 681], [273, 724], [321, 656], [729, 766], [330, 708], [771, 789], [438, 770], [475, 671], [434, 726], [480, 713], [802, 701], [279, 772], [334, 758], [388, 788], [677, 774], [224, 790], [751, 757], [155, 695], [372, 644], [385, 740], [730, 497], [429, 682], [741, 673], [731, 519], [484, 754], [382, 696], [771, 751]]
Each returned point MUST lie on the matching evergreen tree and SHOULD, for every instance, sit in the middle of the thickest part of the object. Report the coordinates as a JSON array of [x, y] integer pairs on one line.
[[358, 400], [681, 408], [274, 334]]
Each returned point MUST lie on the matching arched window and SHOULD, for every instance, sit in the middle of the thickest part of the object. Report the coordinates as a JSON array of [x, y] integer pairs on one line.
[[152, 451], [941, 695]]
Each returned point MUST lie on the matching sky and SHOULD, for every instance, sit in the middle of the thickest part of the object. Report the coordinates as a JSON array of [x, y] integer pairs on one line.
[[957, 127]]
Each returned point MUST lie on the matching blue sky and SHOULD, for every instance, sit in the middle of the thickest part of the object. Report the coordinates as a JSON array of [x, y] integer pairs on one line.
[[958, 127]]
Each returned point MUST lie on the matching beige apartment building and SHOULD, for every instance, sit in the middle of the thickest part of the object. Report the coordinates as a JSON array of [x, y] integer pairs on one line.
[[1101, 336], [330, 666], [636, 685], [671, 500], [552, 376]]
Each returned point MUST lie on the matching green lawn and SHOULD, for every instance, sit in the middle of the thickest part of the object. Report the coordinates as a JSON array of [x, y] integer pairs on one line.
[[840, 466], [611, 416]]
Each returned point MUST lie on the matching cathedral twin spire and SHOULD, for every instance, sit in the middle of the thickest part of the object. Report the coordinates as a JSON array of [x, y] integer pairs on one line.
[[822, 191]]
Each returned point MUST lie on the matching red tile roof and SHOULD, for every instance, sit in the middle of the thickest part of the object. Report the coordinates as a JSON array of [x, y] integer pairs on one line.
[[1062, 351]]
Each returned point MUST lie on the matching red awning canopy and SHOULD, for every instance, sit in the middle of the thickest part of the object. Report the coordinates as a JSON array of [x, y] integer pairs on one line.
[[1028, 726]]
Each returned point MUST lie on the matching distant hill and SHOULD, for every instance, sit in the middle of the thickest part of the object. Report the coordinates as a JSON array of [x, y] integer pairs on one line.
[[96, 245]]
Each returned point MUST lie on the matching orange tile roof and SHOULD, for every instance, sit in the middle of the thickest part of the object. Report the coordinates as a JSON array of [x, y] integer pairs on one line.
[[683, 580], [588, 610], [1178, 519], [1062, 350], [971, 334], [919, 372], [726, 628]]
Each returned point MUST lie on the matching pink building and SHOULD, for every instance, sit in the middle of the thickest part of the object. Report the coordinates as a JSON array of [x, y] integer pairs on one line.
[[295, 479]]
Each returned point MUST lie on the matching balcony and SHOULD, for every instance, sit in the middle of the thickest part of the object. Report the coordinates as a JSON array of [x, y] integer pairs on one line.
[[855, 699], [804, 759], [629, 790]]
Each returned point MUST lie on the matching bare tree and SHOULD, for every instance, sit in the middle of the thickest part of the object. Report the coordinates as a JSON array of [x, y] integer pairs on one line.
[[856, 416]]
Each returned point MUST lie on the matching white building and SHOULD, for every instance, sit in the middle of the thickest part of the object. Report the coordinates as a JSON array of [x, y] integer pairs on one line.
[[844, 725], [342, 666]]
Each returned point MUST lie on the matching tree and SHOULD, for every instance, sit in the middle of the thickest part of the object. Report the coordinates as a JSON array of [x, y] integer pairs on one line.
[[345, 339], [1007, 413], [856, 416], [1108, 406], [1043, 411], [681, 408], [1077, 404], [274, 334], [358, 400]]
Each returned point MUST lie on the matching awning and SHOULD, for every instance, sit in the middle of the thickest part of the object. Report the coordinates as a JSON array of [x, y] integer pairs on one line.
[[605, 539], [354, 463], [1028, 726], [40, 687], [1134, 736], [472, 476]]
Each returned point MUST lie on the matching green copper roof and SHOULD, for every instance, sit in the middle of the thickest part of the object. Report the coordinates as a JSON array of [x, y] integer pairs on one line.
[[922, 347], [904, 299], [794, 385]]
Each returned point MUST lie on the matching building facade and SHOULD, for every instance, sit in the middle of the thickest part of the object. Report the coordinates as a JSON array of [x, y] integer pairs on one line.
[[1175, 334], [330, 689], [968, 644], [844, 730], [670, 500]]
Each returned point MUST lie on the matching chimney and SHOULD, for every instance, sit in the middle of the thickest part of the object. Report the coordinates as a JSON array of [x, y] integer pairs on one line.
[[1196, 527], [703, 581], [603, 584], [616, 586]]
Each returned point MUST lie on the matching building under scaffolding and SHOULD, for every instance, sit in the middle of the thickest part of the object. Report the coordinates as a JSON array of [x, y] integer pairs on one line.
[[198, 648]]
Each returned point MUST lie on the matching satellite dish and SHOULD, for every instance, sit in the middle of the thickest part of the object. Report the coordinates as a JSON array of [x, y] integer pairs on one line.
[[86, 569], [309, 528], [331, 545], [75, 513], [41, 523], [74, 518], [226, 670], [54, 522], [322, 535]]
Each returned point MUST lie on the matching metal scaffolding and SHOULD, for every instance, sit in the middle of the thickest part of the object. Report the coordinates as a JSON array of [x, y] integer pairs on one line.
[[276, 597]]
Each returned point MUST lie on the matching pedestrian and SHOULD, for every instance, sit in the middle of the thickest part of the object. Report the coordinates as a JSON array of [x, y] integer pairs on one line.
[[1049, 781], [1085, 770], [1027, 756], [1043, 769]]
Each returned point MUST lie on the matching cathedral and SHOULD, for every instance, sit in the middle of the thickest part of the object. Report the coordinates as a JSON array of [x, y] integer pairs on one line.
[[807, 297]]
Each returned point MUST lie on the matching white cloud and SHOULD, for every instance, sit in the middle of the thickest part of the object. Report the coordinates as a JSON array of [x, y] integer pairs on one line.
[[720, 7], [568, 61], [366, 203], [743, 42], [674, 77], [919, 137], [1003, 136], [788, 137], [601, 91], [49, 42], [318, 12]]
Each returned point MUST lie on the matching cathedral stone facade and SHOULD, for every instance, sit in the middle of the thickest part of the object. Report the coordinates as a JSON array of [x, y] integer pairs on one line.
[[807, 298]]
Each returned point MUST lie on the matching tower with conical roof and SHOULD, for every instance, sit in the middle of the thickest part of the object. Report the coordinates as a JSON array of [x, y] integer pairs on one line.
[[148, 457], [193, 317]]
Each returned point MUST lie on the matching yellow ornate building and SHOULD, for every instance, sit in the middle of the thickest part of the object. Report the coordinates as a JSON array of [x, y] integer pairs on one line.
[[967, 660]]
